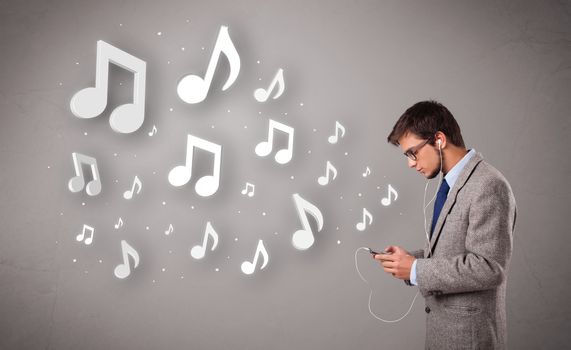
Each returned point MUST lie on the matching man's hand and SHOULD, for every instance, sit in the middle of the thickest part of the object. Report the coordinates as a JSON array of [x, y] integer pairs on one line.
[[398, 263]]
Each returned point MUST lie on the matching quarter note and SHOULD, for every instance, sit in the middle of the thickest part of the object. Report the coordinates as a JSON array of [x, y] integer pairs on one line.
[[334, 138], [329, 168], [249, 267], [303, 239], [198, 252], [181, 175], [169, 230], [361, 226], [136, 183], [119, 223], [193, 89], [262, 95], [265, 147], [387, 201], [90, 231], [92, 101], [249, 190], [124, 270], [77, 183]]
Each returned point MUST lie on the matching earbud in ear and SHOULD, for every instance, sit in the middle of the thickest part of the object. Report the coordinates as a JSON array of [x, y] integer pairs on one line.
[[439, 143]]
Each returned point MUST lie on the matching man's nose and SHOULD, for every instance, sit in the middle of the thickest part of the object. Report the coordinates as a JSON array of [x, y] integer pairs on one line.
[[411, 163]]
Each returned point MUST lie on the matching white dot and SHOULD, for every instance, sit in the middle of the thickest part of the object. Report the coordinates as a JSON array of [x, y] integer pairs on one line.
[[378, 187], [260, 79], [74, 260], [168, 62], [285, 113], [275, 233], [170, 251], [338, 242], [359, 195], [202, 48], [171, 109], [245, 126], [181, 277], [164, 203], [301, 104], [258, 62], [182, 48], [115, 154], [314, 130], [292, 177], [60, 84], [116, 181], [340, 197], [77, 63], [236, 239], [228, 111], [154, 173], [100, 261], [216, 269], [56, 242], [309, 152], [83, 203], [48, 166], [264, 213], [147, 228], [120, 84], [238, 212], [120, 24], [61, 214], [188, 21], [346, 153], [159, 33], [212, 126], [260, 113], [163, 269], [135, 155], [153, 281], [228, 257], [192, 207], [85, 133], [337, 228]]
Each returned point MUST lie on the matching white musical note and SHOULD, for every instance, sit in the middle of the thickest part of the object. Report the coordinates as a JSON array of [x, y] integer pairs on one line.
[[338, 127], [119, 223], [153, 131], [77, 182], [81, 236], [329, 168], [206, 185], [387, 201], [249, 267], [265, 147], [193, 89], [169, 230], [198, 252], [262, 95], [367, 172], [250, 192], [136, 183], [361, 226], [124, 270], [303, 239], [92, 101]]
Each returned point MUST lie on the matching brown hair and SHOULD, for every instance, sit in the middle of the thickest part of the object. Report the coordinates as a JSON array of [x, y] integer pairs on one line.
[[424, 119]]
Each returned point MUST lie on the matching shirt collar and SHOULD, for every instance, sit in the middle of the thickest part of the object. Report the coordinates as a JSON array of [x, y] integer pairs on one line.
[[453, 174]]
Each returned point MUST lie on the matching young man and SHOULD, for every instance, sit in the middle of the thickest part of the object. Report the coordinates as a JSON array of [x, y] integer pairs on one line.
[[462, 270]]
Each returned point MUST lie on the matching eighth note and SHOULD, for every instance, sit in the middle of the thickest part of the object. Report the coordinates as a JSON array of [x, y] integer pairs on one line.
[[169, 230], [367, 172], [136, 183], [303, 239], [361, 226], [153, 131], [249, 267], [387, 201], [92, 101], [193, 89], [250, 192], [81, 236], [119, 223], [77, 183], [181, 175], [262, 95], [322, 180], [334, 138], [124, 270], [198, 252], [265, 147]]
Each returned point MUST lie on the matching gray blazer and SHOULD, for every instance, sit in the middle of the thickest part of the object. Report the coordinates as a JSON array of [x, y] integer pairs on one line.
[[464, 280]]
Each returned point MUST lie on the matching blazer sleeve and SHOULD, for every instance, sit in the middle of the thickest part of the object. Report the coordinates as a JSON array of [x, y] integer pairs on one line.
[[419, 254], [489, 240]]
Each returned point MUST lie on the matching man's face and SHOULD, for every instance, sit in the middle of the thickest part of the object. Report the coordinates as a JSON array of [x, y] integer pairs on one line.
[[427, 157]]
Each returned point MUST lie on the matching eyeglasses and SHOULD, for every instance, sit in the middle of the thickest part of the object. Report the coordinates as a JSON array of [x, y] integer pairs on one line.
[[411, 152]]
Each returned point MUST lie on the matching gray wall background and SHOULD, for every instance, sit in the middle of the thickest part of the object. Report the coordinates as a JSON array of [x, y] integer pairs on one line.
[[502, 67]]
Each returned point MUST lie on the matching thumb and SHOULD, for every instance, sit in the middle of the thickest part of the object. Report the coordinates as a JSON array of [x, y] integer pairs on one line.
[[391, 249]]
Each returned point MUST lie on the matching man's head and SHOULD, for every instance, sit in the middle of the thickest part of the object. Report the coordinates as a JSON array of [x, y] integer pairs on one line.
[[422, 132]]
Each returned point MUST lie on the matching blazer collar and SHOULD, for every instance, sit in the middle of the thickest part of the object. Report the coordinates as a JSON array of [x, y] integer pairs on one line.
[[451, 199]]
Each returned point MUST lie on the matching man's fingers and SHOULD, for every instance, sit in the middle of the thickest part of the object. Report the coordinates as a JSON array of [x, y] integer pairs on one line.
[[389, 264]]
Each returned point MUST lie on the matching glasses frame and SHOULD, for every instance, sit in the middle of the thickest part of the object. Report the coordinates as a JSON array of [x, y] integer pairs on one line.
[[411, 152]]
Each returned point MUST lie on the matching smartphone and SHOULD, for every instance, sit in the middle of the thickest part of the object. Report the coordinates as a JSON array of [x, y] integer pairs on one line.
[[376, 253]]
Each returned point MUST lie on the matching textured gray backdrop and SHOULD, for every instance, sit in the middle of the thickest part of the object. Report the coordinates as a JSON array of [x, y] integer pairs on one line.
[[502, 67]]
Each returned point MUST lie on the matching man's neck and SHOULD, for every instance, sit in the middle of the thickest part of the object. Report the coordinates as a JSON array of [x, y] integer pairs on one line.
[[452, 155]]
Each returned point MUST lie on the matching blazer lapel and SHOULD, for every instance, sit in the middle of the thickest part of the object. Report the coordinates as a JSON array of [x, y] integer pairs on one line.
[[451, 199]]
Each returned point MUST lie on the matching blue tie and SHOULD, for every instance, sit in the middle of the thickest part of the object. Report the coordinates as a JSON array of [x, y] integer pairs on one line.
[[440, 199]]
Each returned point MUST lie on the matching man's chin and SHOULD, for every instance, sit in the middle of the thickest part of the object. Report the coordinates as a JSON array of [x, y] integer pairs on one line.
[[433, 175]]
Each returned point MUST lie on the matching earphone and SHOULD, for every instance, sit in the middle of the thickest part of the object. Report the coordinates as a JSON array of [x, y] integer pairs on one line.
[[427, 242]]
